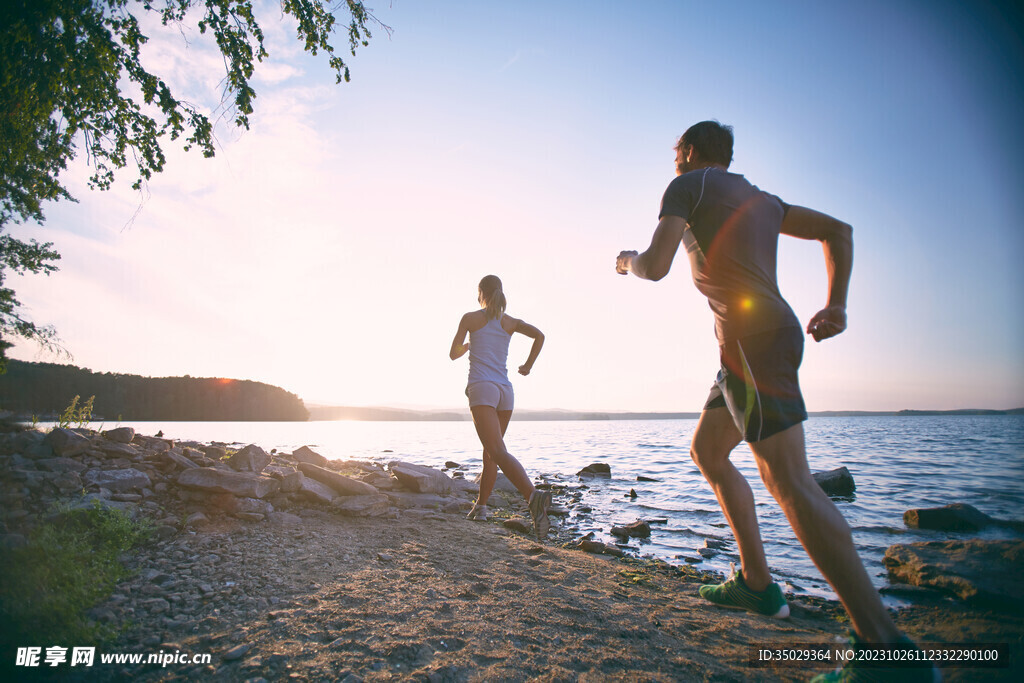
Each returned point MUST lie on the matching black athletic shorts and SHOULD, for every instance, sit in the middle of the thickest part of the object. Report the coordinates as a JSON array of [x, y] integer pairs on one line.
[[758, 382]]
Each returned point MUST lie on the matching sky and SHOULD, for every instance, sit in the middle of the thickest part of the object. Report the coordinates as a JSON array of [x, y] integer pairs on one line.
[[333, 247]]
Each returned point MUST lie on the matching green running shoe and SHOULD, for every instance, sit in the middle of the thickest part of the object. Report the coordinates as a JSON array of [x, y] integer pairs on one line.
[[539, 503], [857, 670], [735, 594]]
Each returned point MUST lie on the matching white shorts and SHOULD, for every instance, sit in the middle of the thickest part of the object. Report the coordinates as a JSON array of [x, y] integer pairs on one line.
[[497, 396]]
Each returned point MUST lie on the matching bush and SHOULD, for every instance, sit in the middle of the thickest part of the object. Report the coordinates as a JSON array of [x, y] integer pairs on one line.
[[70, 564]]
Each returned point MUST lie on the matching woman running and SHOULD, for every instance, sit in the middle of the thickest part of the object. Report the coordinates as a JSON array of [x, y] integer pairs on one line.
[[490, 395]]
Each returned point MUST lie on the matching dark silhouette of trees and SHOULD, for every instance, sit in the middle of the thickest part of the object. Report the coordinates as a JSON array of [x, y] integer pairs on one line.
[[45, 389]]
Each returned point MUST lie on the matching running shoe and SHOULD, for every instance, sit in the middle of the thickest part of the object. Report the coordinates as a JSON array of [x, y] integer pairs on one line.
[[478, 513], [856, 671], [539, 503], [735, 594]]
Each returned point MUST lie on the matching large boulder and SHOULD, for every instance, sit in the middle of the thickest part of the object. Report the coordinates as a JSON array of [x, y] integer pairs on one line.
[[420, 479], [66, 442], [241, 484], [252, 458], [838, 482], [955, 517], [341, 484], [307, 454], [597, 469], [316, 492], [152, 443], [983, 572]]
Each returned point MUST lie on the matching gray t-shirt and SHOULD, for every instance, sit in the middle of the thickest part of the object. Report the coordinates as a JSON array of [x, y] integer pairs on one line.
[[732, 239]]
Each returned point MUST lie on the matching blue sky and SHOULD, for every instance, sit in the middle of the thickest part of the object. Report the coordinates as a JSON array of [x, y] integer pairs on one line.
[[332, 248]]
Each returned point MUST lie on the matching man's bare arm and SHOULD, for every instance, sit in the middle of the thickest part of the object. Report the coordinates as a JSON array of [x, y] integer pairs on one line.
[[654, 263], [836, 238]]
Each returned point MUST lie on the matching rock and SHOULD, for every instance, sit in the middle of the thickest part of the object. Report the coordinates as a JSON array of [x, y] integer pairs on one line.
[[252, 458], [115, 449], [181, 460], [251, 505], [641, 477], [707, 553], [290, 478], [983, 572], [638, 529], [375, 505], [501, 484], [66, 442], [315, 491], [61, 465], [341, 484], [420, 479], [598, 469], [250, 516], [236, 652], [241, 484], [306, 454], [284, 519], [196, 519], [452, 465], [120, 435], [632, 493], [518, 524], [406, 500], [151, 443], [837, 482], [955, 517], [119, 480]]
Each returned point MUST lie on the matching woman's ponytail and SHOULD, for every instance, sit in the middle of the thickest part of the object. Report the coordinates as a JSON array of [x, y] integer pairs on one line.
[[493, 296]]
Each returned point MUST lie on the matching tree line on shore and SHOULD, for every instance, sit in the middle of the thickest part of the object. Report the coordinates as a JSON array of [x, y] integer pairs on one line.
[[44, 390]]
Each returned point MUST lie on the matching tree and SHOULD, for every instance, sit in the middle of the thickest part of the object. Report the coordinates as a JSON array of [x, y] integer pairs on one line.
[[71, 74]]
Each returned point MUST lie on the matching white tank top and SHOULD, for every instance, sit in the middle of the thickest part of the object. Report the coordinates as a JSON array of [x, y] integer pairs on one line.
[[488, 353]]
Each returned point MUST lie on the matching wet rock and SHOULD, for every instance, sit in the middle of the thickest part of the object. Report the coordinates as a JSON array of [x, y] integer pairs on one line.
[[127, 479], [339, 483], [120, 434], [597, 469], [420, 479], [243, 485], [983, 572], [66, 443], [638, 529], [838, 482], [252, 458], [306, 454], [640, 477], [955, 517]]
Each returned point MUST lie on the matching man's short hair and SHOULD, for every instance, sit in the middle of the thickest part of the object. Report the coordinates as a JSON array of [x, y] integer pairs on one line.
[[712, 140]]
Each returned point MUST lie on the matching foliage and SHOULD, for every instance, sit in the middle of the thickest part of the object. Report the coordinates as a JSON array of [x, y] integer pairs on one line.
[[68, 565], [72, 74], [74, 414], [43, 388]]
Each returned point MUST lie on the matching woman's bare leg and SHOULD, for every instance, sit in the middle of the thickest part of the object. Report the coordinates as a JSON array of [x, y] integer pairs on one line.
[[490, 430], [490, 471]]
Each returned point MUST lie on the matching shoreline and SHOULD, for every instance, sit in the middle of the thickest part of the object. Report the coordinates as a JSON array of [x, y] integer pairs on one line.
[[309, 590]]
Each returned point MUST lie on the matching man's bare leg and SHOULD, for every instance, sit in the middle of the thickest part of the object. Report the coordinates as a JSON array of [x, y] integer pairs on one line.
[[713, 441], [824, 533]]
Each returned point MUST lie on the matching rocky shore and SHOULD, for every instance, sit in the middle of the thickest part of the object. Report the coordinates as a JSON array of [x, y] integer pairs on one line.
[[290, 566]]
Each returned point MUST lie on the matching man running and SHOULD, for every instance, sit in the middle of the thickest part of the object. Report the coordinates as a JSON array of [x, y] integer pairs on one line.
[[730, 230]]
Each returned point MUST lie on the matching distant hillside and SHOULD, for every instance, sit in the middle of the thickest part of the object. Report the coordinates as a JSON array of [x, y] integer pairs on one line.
[[45, 389]]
